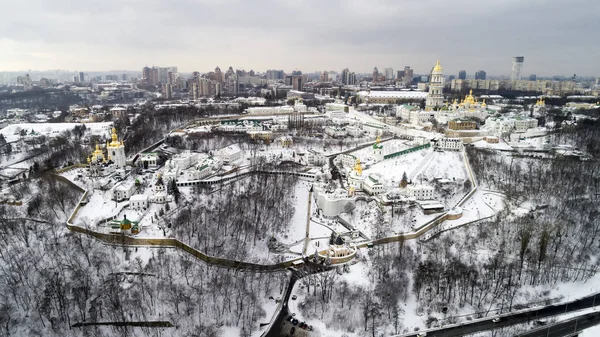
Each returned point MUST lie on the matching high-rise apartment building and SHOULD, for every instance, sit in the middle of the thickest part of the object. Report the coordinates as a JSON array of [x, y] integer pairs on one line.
[[163, 75], [218, 76], [389, 73], [462, 75], [344, 76], [375, 74], [297, 83], [352, 79], [231, 84], [275, 74], [324, 76], [150, 75], [408, 75], [167, 91], [517, 67], [480, 75], [81, 77]]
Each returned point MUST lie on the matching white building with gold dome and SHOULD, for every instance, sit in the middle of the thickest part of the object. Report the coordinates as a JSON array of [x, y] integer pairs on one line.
[[469, 107], [435, 98], [539, 107], [355, 178], [116, 150]]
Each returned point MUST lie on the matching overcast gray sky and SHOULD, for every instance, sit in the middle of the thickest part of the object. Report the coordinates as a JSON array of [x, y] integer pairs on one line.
[[556, 37]]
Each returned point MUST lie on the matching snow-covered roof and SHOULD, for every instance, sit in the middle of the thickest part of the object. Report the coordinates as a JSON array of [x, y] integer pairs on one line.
[[420, 187], [138, 197], [231, 149]]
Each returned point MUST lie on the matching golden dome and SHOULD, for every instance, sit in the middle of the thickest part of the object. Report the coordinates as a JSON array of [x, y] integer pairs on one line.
[[97, 154], [483, 104], [469, 98], [115, 139], [437, 67], [357, 167], [98, 151]]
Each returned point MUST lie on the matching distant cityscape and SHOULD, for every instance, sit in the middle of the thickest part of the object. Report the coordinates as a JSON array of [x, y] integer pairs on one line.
[[171, 83]]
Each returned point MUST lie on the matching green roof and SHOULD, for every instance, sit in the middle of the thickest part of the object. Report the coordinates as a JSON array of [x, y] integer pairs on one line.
[[125, 221]]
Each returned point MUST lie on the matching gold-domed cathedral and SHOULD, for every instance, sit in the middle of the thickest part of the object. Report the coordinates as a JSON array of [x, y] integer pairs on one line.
[[116, 150]]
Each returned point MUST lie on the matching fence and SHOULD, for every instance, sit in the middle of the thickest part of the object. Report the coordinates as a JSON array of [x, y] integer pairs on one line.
[[403, 152], [68, 168], [301, 175], [119, 239]]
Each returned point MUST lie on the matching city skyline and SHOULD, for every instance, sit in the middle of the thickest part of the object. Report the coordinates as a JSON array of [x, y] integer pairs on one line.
[[103, 36]]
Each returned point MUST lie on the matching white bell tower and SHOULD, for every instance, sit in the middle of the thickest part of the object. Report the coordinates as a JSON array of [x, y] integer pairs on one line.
[[116, 150], [436, 87]]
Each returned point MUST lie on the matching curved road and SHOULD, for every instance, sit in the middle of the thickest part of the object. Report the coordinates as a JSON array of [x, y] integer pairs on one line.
[[513, 318]]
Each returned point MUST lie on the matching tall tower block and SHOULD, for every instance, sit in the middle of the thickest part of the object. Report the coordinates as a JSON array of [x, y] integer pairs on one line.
[[517, 66]]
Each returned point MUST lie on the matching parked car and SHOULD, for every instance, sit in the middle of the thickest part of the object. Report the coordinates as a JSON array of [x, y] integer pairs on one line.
[[294, 297], [295, 321], [496, 320], [292, 330]]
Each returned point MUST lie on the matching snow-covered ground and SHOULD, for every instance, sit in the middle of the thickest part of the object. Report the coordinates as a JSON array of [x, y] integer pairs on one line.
[[391, 170], [591, 332], [11, 132], [297, 228], [357, 275], [448, 165], [502, 145]]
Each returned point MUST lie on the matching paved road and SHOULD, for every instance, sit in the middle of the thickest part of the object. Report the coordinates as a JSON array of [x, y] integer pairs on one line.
[[280, 328], [566, 328], [517, 318]]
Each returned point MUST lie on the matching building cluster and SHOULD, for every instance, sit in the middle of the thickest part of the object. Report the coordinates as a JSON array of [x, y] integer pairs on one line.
[[332, 202]]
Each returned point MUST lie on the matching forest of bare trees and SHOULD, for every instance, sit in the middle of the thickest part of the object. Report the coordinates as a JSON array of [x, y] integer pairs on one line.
[[230, 221], [547, 234], [344, 304], [52, 279]]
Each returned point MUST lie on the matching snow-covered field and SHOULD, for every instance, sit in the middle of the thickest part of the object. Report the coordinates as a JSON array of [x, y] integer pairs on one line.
[[448, 165], [391, 170], [11, 132]]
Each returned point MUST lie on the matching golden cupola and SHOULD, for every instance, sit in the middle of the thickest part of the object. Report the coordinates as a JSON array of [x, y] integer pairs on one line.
[[115, 139], [357, 167], [469, 99], [438, 67], [98, 154]]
